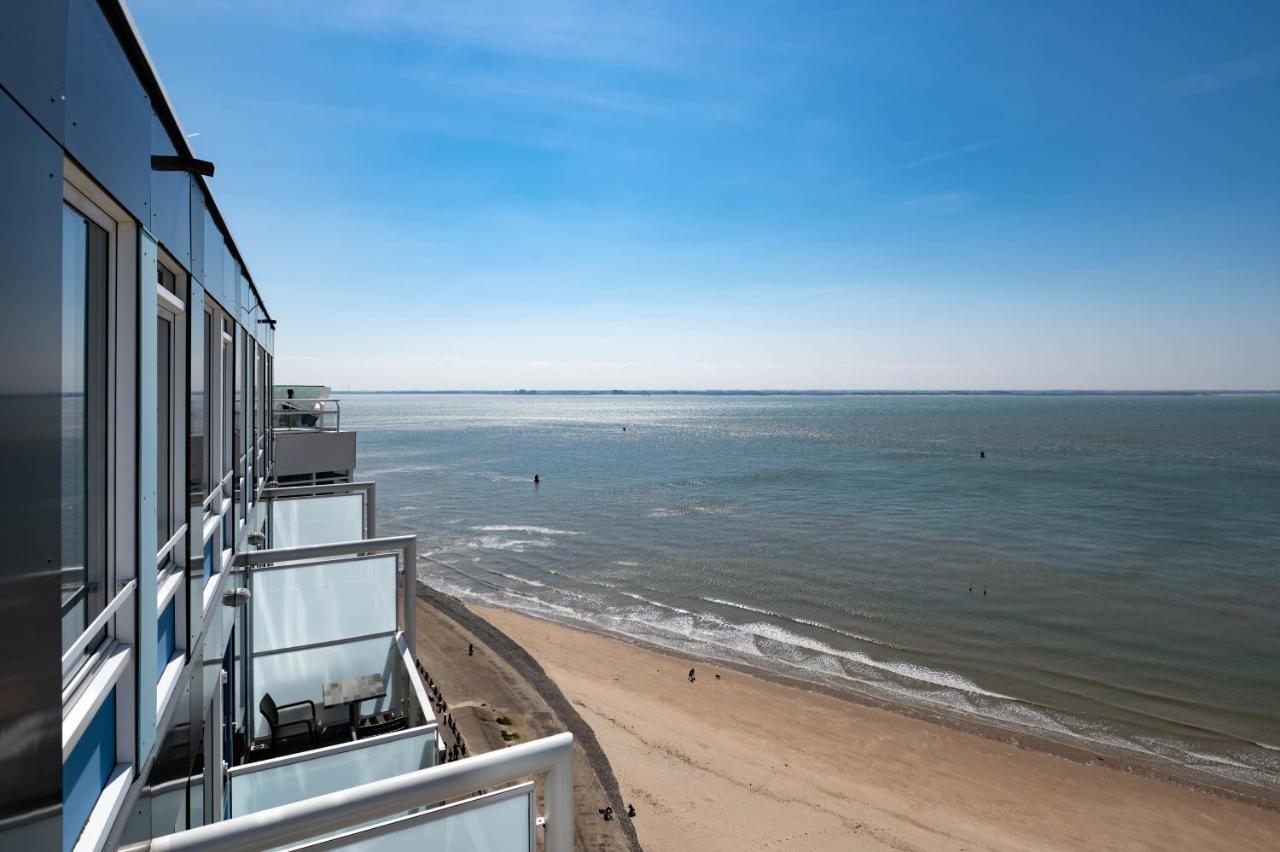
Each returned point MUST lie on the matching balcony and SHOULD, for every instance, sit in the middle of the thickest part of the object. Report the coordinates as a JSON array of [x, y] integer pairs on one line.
[[403, 812], [327, 607], [307, 415], [310, 445], [328, 602]]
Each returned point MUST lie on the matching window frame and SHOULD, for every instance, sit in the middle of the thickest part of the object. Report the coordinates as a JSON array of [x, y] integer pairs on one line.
[[110, 669], [173, 308], [77, 196]]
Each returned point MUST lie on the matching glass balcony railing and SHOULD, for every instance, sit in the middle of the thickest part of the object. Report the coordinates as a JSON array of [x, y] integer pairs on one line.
[[324, 622], [321, 514], [259, 786], [404, 811], [502, 821], [308, 415]]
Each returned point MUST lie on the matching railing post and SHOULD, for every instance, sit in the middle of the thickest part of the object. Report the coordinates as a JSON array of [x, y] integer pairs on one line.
[[411, 594], [557, 794]]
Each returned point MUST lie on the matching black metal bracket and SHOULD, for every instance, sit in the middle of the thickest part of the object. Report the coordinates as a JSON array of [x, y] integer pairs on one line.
[[182, 164]]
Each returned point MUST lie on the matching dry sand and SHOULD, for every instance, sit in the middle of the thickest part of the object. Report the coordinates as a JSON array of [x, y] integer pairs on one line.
[[497, 690], [744, 763]]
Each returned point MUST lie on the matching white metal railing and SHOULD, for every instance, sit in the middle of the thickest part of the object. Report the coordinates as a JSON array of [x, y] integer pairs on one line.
[[551, 757], [73, 654]]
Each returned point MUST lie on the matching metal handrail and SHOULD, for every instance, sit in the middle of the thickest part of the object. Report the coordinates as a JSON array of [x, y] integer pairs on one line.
[[313, 415], [309, 818], [72, 655]]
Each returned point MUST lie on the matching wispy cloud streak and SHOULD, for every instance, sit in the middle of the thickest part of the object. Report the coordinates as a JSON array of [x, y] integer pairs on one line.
[[1225, 76], [939, 203]]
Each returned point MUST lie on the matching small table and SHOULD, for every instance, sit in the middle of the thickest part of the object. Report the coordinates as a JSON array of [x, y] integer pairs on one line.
[[353, 690]]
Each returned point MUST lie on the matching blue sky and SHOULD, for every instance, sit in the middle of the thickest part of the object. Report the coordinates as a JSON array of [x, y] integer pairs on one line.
[[550, 193]]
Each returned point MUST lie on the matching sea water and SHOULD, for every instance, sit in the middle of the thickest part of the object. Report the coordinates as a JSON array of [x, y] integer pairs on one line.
[[1109, 572]]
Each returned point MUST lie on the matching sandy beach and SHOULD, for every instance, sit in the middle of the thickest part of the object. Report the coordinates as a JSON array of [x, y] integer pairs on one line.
[[739, 762]]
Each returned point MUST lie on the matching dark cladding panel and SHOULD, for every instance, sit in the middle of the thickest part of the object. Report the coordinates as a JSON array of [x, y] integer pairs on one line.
[[196, 224], [108, 121], [33, 59], [170, 200], [251, 321], [30, 618], [215, 267], [242, 296], [235, 283]]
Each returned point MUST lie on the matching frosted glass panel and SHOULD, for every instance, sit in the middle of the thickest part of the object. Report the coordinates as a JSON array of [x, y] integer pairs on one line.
[[496, 822], [375, 760], [316, 520], [323, 602], [301, 675]]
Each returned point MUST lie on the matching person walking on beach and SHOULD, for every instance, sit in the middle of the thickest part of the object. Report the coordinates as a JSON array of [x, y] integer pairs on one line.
[[471, 650], [691, 677]]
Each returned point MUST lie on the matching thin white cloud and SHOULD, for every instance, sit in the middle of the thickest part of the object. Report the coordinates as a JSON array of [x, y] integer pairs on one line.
[[940, 203], [939, 156], [527, 89], [634, 34], [1225, 76]]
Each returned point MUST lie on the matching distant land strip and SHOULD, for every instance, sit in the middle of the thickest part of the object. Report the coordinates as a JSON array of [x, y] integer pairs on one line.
[[766, 392]]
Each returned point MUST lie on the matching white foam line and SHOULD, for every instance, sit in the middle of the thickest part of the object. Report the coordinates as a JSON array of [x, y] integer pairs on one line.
[[517, 578], [493, 542], [796, 620], [525, 529], [645, 600], [682, 634]]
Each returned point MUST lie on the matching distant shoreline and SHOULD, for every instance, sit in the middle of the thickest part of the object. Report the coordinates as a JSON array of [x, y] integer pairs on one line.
[[744, 392], [1078, 750], [777, 752]]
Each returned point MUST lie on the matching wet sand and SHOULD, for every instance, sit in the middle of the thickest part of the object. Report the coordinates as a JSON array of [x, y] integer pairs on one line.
[[743, 762]]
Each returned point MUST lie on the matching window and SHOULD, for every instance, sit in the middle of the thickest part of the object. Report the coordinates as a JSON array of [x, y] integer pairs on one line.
[[264, 416], [99, 254], [268, 394], [212, 361], [86, 281], [227, 465], [164, 426], [238, 446], [170, 410]]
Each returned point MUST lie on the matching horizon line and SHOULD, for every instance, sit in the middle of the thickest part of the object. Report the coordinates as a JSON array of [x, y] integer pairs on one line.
[[818, 391]]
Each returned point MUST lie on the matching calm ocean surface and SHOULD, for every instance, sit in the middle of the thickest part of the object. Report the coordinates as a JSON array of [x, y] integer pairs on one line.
[[1129, 546]]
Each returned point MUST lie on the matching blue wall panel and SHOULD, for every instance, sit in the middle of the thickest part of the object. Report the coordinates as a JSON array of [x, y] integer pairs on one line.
[[164, 637], [87, 770]]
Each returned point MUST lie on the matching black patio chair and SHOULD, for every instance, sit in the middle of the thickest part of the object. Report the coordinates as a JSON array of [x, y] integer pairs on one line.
[[280, 718]]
